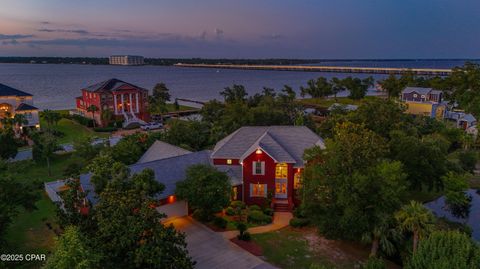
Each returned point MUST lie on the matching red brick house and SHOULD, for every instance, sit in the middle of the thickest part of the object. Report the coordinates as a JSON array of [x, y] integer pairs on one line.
[[268, 161], [126, 101]]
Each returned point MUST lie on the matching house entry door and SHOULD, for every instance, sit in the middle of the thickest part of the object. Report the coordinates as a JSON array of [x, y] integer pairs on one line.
[[281, 188]]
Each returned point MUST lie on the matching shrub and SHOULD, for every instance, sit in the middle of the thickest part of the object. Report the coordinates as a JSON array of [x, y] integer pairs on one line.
[[237, 204], [82, 120], [254, 207], [242, 229], [230, 211], [468, 160], [220, 222], [374, 263], [105, 129], [298, 222], [298, 212], [258, 217], [268, 211]]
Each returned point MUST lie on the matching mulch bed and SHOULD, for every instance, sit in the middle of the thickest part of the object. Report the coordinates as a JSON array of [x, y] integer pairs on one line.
[[249, 246]]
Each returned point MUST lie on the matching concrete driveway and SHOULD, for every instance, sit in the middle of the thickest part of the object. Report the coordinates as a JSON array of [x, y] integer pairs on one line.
[[211, 250]]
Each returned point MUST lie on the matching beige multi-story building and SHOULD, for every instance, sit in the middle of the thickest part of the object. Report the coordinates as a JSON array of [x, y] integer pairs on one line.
[[126, 60], [13, 101]]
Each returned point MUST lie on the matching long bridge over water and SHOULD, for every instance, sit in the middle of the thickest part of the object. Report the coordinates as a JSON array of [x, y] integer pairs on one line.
[[335, 69]]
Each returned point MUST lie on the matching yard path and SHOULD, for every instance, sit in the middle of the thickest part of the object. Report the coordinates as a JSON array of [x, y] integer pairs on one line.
[[210, 250], [280, 220]]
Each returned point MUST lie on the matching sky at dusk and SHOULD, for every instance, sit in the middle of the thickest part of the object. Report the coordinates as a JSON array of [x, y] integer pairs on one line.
[[326, 29]]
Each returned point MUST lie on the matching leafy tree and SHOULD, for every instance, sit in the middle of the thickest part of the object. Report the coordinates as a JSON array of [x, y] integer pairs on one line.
[[70, 211], [468, 160], [9, 146], [45, 145], [13, 196], [457, 201], [464, 87], [415, 218], [85, 148], [193, 135], [161, 93], [392, 86], [374, 263], [350, 189], [93, 109], [206, 189], [71, 251], [212, 111], [445, 250], [130, 148], [358, 87], [104, 169], [51, 117], [130, 234], [236, 93], [318, 88]]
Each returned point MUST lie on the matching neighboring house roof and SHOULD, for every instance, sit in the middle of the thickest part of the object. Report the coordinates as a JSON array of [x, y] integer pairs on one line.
[[346, 107], [234, 172], [167, 171], [25, 107], [282, 143], [421, 90], [111, 85], [161, 150], [9, 91], [460, 116], [468, 118]]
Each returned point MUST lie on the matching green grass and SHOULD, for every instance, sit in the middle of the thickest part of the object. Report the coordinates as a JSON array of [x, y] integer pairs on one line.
[[287, 248], [423, 196], [72, 130], [327, 102]]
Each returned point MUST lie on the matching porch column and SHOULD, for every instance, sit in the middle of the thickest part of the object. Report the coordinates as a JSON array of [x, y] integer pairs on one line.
[[123, 104], [130, 102], [115, 103], [136, 99]]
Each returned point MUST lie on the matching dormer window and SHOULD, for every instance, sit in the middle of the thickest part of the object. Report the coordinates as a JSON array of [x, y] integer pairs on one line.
[[423, 96], [415, 95]]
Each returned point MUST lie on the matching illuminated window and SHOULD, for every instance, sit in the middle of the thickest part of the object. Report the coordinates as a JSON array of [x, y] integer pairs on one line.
[[229, 161], [258, 190], [297, 181], [281, 188], [281, 170], [415, 95], [258, 168]]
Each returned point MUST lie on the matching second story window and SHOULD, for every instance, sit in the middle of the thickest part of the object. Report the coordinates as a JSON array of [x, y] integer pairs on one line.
[[281, 170], [258, 168]]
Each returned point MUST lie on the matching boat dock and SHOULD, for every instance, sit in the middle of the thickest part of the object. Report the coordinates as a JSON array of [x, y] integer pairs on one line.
[[335, 69]]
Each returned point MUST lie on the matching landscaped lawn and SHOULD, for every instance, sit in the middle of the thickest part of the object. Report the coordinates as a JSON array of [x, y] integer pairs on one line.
[[29, 232], [72, 130]]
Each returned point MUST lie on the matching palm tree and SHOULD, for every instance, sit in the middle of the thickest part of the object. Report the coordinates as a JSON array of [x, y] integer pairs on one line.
[[382, 237], [92, 109], [415, 218], [51, 117]]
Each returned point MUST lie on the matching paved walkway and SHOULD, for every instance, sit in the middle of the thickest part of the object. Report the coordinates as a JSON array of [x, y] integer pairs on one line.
[[280, 220], [210, 250]]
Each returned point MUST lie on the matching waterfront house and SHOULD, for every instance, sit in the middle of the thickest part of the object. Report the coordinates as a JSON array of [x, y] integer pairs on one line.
[[13, 101], [267, 161], [126, 101], [424, 101]]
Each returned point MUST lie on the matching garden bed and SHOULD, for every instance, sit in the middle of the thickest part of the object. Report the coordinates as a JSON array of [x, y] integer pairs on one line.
[[249, 246]]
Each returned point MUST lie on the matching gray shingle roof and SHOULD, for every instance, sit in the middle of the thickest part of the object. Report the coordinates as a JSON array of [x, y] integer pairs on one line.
[[23, 107], [112, 84], [167, 171], [417, 90], [9, 91], [161, 150], [234, 172], [283, 143]]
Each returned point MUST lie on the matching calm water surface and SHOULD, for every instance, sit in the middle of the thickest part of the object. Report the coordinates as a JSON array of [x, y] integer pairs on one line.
[[473, 219], [56, 86]]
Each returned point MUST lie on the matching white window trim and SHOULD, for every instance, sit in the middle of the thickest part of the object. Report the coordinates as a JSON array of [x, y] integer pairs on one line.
[[254, 166]]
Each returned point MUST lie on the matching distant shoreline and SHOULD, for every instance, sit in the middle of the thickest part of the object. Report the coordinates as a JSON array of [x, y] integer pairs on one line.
[[173, 61]]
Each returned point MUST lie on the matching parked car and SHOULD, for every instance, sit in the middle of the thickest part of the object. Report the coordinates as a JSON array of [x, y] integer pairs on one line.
[[152, 126]]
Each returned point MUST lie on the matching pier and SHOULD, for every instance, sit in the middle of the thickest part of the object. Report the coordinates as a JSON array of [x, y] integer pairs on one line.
[[334, 69]]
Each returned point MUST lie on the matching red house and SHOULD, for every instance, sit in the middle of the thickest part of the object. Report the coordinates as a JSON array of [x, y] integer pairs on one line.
[[126, 101], [269, 161]]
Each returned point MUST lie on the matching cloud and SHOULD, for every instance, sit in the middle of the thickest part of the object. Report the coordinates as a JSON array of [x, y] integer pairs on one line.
[[74, 31], [14, 36], [273, 36], [12, 42]]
